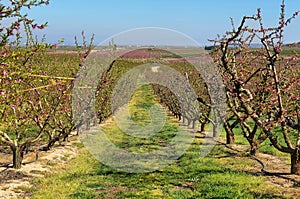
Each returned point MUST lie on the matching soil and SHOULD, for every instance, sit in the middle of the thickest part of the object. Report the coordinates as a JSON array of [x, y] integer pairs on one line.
[[274, 168], [13, 183]]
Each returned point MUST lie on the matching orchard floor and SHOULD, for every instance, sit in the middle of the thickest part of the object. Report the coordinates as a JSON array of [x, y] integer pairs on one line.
[[15, 183], [70, 171], [19, 184]]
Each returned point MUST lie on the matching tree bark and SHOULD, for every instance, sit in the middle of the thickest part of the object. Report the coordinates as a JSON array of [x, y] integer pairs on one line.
[[183, 121], [215, 130], [202, 127], [230, 138], [229, 133], [193, 124], [295, 161], [253, 148], [51, 143], [17, 157]]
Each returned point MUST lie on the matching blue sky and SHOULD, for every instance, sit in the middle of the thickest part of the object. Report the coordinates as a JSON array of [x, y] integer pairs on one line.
[[199, 19]]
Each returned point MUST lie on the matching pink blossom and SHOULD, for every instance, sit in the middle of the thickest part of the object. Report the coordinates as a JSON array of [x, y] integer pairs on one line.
[[13, 107], [4, 73]]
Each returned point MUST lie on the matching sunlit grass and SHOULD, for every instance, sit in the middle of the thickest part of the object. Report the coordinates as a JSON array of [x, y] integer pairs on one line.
[[189, 177]]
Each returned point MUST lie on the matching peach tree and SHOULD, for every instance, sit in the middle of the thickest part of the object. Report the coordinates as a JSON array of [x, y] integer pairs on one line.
[[22, 113], [262, 85]]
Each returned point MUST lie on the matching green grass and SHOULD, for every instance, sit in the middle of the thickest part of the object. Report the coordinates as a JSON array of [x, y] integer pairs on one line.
[[265, 147], [189, 177], [215, 176], [287, 51], [268, 148]]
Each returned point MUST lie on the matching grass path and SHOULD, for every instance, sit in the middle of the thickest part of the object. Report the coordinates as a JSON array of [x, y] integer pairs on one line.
[[216, 176]]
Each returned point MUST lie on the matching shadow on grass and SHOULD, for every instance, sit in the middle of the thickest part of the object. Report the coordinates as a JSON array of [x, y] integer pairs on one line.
[[282, 175], [8, 175], [202, 178]]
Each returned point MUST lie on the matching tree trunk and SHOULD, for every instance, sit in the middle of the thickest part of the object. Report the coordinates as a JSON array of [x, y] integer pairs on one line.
[[229, 133], [66, 137], [17, 157], [52, 142], [202, 127], [189, 123], [88, 124], [78, 130], [215, 124], [215, 130], [179, 117], [295, 161], [194, 124], [229, 137], [253, 148]]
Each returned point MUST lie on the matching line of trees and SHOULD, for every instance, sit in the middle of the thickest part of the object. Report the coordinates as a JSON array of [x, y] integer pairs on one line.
[[262, 85], [35, 101]]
